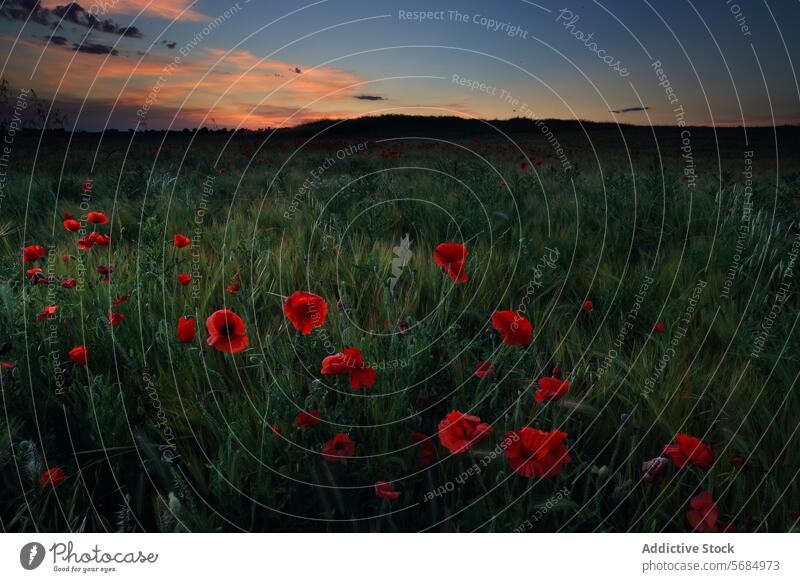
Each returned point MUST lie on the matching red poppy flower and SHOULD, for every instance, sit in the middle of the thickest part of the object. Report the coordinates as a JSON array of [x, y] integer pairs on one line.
[[451, 257], [523, 166], [181, 241], [587, 305], [105, 271], [86, 186], [551, 389], [121, 299], [72, 225], [343, 362], [33, 272], [276, 429], [86, 242], [101, 240], [227, 332], [659, 327], [305, 310], [186, 329], [386, 490], [483, 369], [233, 288], [535, 453], [52, 477], [33, 253], [184, 279], [79, 355], [690, 450], [538, 163], [68, 283], [7, 365], [339, 448], [115, 318], [48, 313], [350, 361], [459, 431], [307, 420], [427, 450], [703, 514], [514, 327], [362, 378], [97, 218]]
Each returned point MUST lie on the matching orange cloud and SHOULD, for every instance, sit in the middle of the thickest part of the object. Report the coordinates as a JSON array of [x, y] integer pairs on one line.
[[166, 9], [237, 89]]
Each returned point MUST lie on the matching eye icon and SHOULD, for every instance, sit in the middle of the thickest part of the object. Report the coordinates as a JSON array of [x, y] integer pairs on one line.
[[31, 555]]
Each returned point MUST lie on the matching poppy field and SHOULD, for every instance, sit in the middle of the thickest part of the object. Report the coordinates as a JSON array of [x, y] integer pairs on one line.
[[208, 331]]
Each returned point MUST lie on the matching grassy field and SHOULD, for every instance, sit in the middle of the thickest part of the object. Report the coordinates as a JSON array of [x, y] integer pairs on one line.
[[155, 434]]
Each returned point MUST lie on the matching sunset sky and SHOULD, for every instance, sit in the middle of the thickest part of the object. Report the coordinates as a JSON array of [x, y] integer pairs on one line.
[[259, 63]]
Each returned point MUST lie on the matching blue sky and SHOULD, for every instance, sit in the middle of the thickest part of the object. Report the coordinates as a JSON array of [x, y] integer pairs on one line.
[[258, 63]]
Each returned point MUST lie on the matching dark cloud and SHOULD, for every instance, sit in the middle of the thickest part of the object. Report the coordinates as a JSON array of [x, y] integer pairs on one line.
[[25, 10], [71, 12], [95, 48], [170, 45], [54, 39], [75, 13], [629, 109], [369, 97], [130, 32]]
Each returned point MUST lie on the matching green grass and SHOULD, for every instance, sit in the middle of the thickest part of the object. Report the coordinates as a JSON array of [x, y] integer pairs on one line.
[[144, 392]]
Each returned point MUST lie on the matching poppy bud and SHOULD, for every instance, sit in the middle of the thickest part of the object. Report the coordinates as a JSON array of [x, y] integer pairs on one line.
[[653, 468], [52, 477], [79, 355], [386, 491]]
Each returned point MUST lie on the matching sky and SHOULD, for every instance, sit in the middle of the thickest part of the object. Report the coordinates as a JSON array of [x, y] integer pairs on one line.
[[253, 64]]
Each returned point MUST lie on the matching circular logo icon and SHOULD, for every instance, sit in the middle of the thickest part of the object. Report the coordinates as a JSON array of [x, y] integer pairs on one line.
[[31, 555]]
